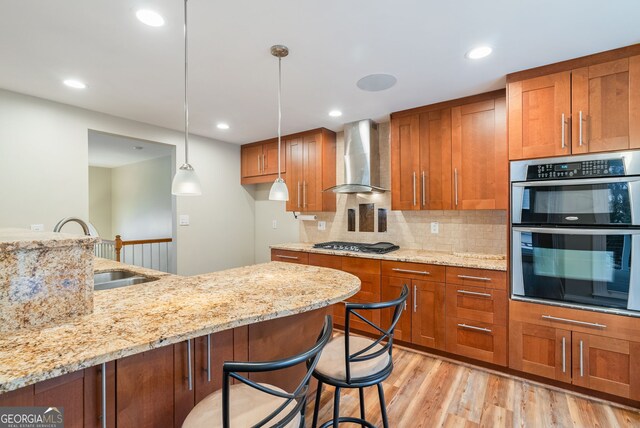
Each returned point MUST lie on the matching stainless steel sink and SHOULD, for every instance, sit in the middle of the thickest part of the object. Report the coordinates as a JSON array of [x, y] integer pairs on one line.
[[118, 278]]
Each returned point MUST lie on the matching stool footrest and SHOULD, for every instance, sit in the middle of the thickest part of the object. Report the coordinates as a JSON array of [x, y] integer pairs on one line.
[[344, 419]]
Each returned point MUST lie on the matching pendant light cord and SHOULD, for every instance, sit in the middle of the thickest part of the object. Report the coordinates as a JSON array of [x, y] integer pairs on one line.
[[186, 88], [279, 111]]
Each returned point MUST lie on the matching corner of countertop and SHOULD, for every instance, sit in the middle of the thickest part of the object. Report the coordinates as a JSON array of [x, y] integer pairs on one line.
[[25, 239]]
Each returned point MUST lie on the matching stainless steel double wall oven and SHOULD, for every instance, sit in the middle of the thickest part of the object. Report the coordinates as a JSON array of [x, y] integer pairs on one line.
[[575, 231]]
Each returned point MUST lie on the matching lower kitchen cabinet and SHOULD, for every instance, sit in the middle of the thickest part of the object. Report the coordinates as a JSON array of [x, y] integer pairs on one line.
[[428, 314], [391, 289], [209, 357]]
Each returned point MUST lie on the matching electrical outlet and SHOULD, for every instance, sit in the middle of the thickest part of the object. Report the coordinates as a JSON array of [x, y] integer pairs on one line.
[[274, 224], [37, 227], [435, 227], [322, 225], [184, 220]]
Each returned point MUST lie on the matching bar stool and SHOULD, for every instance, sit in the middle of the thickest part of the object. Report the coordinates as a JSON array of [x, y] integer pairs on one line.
[[358, 362], [251, 404]]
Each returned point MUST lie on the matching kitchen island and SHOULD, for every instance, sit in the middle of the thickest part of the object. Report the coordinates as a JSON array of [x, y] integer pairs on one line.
[[131, 321]]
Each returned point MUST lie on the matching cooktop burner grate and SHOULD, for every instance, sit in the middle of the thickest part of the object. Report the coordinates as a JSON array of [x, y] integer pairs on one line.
[[356, 247]]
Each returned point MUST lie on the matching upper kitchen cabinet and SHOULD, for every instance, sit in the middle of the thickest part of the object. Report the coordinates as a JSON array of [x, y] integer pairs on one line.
[[311, 167], [479, 155], [259, 161], [451, 155], [585, 105]]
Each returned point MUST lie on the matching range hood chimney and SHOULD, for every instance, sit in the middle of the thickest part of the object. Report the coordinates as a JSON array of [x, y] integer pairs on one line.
[[361, 159]]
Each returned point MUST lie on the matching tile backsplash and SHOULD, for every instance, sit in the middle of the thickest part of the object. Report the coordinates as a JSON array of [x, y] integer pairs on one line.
[[482, 231]]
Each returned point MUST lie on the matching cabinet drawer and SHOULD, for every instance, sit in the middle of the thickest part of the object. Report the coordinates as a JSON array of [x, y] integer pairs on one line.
[[419, 271], [290, 256], [478, 304], [357, 265], [477, 277], [478, 340], [325, 260]]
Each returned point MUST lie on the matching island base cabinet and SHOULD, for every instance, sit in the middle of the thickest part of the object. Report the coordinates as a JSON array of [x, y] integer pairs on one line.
[[219, 351]]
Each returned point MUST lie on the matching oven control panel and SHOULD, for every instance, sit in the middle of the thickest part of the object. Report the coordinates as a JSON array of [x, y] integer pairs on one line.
[[577, 169]]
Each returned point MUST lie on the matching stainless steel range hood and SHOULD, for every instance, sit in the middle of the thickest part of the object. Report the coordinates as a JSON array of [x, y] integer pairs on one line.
[[361, 159]]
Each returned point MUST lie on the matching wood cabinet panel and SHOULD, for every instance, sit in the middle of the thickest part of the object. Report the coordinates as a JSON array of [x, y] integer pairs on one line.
[[251, 160], [478, 146], [294, 162], [312, 179], [144, 387], [477, 277], [360, 265], [270, 158], [478, 340], [603, 96], [418, 271], [427, 318], [391, 289], [435, 160], [477, 304], [405, 162], [93, 396], [299, 257], [184, 398], [67, 392], [325, 260]]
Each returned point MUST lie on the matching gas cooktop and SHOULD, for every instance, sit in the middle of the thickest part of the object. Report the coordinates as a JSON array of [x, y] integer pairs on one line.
[[356, 247]]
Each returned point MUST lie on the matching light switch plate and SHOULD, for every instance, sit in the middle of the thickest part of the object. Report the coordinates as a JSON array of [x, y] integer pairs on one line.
[[37, 227], [184, 220], [435, 227], [322, 225], [274, 224]]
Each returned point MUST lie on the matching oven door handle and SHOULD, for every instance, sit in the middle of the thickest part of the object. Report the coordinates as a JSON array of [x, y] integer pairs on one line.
[[576, 181], [567, 231]]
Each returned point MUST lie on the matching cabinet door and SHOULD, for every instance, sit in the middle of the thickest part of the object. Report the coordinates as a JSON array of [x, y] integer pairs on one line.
[[144, 387], [391, 289], [435, 160], [536, 109], [251, 160], [405, 162], [606, 364], [65, 391], [607, 98], [478, 304], [333, 262], [478, 340], [184, 399], [270, 158], [427, 317], [312, 173], [479, 155], [221, 350], [540, 350], [294, 174], [93, 396], [298, 257]]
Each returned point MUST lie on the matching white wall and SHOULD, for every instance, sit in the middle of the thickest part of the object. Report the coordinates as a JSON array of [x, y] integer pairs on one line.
[[100, 200], [44, 176], [288, 229], [141, 199]]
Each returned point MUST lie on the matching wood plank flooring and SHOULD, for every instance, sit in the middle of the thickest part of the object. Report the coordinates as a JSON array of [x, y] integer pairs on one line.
[[429, 392]]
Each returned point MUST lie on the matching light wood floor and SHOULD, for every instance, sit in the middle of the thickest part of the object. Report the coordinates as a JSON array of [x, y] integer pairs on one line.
[[429, 392]]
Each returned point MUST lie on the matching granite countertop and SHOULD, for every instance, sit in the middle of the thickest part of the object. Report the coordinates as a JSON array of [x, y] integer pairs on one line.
[[134, 319], [468, 260], [24, 239]]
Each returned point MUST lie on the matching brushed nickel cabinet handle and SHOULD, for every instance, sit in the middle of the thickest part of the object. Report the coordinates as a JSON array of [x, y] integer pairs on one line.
[[189, 368], [298, 198], [477, 278], [104, 395], [564, 355], [208, 357], [581, 359], [286, 257], [417, 272], [475, 293], [563, 131], [264, 162], [304, 194], [570, 321], [580, 129], [415, 298], [414, 188], [424, 189], [473, 327], [259, 168], [455, 184]]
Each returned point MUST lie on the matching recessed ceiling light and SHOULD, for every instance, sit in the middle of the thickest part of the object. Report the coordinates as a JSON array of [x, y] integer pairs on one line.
[[138, 147], [335, 113], [479, 52], [73, 83], [376, 82], [222, 126], [149, 17]]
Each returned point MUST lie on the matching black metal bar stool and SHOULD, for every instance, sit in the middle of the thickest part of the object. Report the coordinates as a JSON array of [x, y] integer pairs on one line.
[[358, 362], [251, 404]]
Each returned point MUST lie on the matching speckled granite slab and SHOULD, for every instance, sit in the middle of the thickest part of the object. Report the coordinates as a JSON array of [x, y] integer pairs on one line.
[[45, 278], [133, 319], [469, 260]]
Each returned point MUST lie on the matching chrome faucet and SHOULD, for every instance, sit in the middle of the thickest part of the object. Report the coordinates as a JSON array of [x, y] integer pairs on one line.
[[85, 227]]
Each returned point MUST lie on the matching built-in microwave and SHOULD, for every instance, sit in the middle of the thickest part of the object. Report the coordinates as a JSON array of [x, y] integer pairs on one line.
[[575, 231]]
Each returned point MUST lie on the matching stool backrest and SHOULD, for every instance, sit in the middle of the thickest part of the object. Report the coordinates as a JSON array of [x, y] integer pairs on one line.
[[278, 418], [384, 342]]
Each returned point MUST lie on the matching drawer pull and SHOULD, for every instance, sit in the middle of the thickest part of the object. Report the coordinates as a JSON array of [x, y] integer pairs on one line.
[[588, 324], [472, 327], [476, 278], [286, 257], [475, 293], [417, 272]]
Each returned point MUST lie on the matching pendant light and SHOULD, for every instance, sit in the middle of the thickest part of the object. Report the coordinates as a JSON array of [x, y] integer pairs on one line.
[[279, 191], [186, 182]]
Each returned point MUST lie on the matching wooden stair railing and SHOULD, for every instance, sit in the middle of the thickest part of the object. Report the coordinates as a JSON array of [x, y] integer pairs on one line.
[[120, 249]]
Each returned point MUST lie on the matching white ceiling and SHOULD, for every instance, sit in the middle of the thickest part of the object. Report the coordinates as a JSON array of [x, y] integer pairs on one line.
[[112, 151], [135, 71]]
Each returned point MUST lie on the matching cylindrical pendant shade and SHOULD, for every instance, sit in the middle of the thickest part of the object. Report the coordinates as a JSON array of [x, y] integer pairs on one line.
[[186, 182], [279, 191]]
